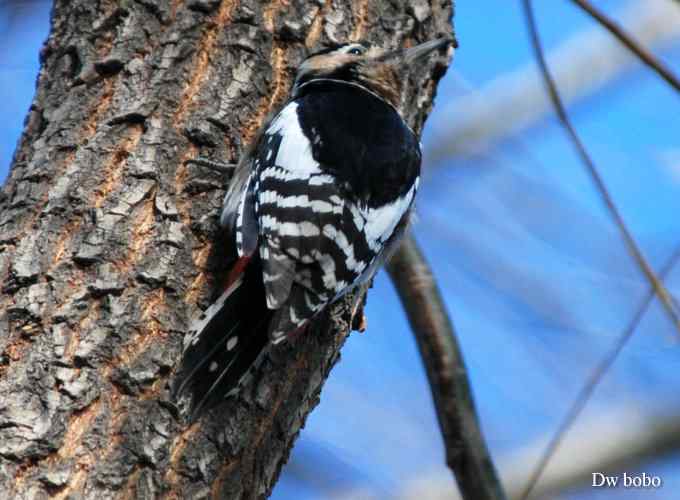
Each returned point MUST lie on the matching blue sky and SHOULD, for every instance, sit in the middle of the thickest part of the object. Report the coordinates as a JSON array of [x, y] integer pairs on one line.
[[534, 274]]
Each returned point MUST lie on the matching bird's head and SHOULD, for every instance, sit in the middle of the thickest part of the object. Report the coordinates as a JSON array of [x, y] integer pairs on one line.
[[375, 69]]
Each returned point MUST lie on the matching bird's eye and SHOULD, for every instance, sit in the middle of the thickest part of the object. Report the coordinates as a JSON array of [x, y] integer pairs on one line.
[[355, 51]]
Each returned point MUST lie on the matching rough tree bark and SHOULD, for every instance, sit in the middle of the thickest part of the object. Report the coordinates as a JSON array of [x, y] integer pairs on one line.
[[106, 241]]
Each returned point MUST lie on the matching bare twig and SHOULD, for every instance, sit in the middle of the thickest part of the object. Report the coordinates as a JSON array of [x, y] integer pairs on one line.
[[593, 381], [642, 53], [582, 64], [633, 248], [657, 285], [466, 452]]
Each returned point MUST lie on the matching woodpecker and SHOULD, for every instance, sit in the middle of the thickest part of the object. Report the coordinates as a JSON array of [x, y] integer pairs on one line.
[[312, 210]]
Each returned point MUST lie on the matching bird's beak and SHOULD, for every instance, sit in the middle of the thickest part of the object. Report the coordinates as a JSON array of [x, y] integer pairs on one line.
[[414, 54]]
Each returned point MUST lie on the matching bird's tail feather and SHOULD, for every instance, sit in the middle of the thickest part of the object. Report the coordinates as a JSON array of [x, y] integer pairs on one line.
[[224, 343]]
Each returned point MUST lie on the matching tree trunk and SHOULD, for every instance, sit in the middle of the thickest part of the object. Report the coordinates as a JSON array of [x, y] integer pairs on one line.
[[106, 241]]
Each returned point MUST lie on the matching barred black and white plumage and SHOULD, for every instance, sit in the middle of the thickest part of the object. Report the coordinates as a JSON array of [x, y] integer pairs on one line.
[[312, 210]]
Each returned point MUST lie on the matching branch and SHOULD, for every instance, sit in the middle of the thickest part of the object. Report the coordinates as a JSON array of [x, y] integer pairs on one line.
[[466, 452], [632, 246], [642, 53]]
